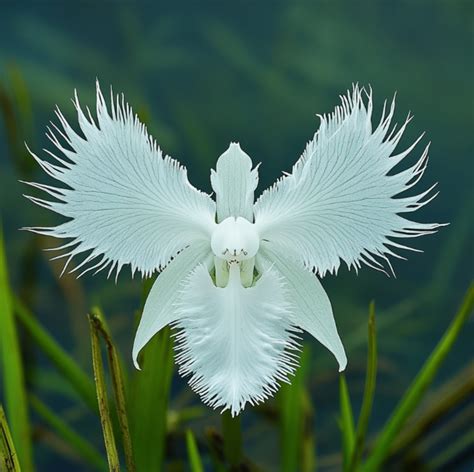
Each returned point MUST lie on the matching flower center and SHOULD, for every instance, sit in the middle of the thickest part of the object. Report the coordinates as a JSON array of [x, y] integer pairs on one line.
[[235, 240]]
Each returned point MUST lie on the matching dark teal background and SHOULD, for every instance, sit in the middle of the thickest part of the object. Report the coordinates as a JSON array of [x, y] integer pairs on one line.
[[202, 74]]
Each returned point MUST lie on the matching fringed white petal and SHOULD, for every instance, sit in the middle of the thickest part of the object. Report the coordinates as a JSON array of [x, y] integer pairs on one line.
[[312, 308], [234, 182], [126, 202], [159, 309], [236, 343], [338, 202]]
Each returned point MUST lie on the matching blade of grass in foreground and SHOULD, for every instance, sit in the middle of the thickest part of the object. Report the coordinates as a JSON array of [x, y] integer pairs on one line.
[[103, 402], [195, 463], [292, 417], [8, 456], [84, 449], [346, 421], [369, 390], [117, 385], [66, 365], [415, 392], [13, 376]]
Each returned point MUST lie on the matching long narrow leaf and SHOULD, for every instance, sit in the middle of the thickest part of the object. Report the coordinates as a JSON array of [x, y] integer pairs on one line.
[[445, 400], [8, 457], [308, 459], [102, 399], [195, 463], [118, 387], [417, 389], [84, 449], [13, 375], [369, 390], [293, 417], [347, 421], [150, 390], [66, 365]]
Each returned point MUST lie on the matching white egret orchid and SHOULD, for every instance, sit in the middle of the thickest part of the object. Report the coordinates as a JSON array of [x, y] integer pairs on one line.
[[239, 280]]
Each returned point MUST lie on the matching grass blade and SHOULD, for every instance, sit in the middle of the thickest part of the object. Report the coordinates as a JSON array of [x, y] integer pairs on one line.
[[83, 448], [103, 402], [347, 421], [8, 457], [292, 419], [195, 463], [118, 387], [13, 375], [415, 393], [369, 390], [442, 402], [66, 365]]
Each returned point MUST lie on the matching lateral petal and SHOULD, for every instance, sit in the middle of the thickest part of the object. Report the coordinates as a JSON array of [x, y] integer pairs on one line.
[[235, 343], [126, 203], [159, 309], [342, 202], [234, 182], [312, 308]]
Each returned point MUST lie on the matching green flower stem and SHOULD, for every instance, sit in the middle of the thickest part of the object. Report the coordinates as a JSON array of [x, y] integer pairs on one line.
[[232, 433]]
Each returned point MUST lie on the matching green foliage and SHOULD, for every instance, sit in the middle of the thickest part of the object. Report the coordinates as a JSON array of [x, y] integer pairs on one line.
[[149, 394], [415, 393], [232, 434], [102, 398], [369, 392], [118, 385], [194, 458], [81, 383], [346, 421], [13, 375], [83, 448], [8, 456], [295, 414]]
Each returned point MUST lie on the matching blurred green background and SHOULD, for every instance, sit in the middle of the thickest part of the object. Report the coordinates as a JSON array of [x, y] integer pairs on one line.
[[202, 74]]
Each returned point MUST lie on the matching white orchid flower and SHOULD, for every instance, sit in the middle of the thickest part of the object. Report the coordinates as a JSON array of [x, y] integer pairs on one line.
[[238, 278]]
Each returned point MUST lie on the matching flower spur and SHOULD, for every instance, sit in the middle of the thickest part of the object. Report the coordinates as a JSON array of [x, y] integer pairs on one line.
[[239, 279]]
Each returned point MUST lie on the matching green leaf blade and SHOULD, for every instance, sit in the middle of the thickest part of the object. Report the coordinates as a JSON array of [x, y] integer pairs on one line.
[[419, 386], [347, 421], [118, 385], [101, 388], [150, 390], [8, 456], [369, 391], [194, 458], [13, 375], [64, 363], [293, 411]]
